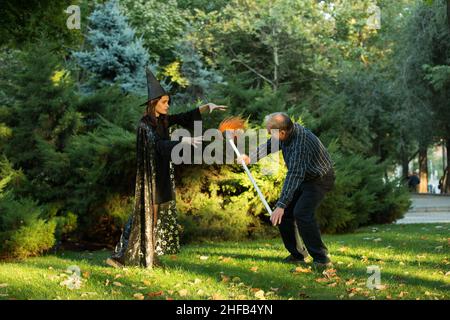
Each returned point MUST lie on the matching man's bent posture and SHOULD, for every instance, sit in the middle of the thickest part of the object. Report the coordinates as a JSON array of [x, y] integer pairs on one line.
[[310, 176]]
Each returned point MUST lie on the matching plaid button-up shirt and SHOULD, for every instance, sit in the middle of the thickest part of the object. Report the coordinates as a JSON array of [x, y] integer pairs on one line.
[[305, 156]]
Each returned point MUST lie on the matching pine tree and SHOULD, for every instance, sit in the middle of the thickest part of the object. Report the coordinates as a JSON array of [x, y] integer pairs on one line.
[[200, 79], [115, 55], [39, 108]]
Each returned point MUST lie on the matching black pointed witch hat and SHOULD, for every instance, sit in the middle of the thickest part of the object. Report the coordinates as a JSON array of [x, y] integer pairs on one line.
[[155, 90]]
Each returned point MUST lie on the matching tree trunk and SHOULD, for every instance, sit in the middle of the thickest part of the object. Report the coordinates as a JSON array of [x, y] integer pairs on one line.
[[276, 63], [423, 169], [405, 165], [447, 170]]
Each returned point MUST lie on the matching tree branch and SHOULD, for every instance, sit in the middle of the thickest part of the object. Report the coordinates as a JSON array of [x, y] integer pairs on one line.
[[250, 68]]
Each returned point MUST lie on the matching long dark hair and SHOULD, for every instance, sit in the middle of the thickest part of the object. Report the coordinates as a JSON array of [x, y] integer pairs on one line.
[[150, 114]]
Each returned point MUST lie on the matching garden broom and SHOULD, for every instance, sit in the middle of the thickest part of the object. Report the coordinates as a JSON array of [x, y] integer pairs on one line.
[[237, 123]]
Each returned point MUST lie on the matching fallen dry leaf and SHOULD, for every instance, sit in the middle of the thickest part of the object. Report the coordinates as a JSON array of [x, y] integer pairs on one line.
[[260, 294], [217, 296], [380, 287], [303, 295], [117, 284], [155, 294], [224, 259], [138, 296], [200, 292], [146, 282], [320, 280], [183, 292], [254, 268], [86, 294], [329, 273], [302, 270], [334, 284], [350, 282]]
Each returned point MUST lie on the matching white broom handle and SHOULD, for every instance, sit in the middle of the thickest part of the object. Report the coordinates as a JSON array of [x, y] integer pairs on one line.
[[261, 196]]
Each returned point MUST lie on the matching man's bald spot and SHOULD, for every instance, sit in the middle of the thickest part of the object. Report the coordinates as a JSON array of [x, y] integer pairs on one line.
[[280, 121]]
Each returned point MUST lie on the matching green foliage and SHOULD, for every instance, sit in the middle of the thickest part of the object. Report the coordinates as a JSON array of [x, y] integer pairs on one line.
[[22, 232], [423, 59], [38, 104], [159, 23], [32, 239], [103, 163], [361, 195], [370, 95], [115, 56], [219, 202], [27, 228], [25, 22], [200, 80]]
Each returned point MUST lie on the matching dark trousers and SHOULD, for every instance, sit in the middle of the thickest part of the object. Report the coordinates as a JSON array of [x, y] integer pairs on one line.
[[302, 208]]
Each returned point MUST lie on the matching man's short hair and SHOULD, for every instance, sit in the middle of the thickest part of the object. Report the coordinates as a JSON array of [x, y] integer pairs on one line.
[[279, 120]]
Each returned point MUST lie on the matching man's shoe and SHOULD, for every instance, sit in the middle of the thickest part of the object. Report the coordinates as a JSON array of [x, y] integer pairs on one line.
[[115, 263], [322, 265], [292, 259]]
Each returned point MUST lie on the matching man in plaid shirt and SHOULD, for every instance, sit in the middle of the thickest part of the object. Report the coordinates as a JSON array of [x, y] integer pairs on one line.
[[310, 176]]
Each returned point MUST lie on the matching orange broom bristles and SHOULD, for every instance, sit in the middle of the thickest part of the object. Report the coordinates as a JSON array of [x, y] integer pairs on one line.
[[232, 123]]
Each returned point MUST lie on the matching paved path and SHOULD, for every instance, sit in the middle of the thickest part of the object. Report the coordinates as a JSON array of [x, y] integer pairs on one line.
[[427, 208]]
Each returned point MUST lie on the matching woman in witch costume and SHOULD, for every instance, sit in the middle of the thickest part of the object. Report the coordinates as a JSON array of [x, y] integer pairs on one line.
[[152, 228]]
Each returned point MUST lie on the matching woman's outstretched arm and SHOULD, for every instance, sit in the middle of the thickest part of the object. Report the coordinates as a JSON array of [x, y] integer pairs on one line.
[[186, 119]]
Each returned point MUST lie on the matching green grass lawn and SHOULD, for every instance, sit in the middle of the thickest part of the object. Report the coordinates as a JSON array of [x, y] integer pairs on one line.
[[413, 259]]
